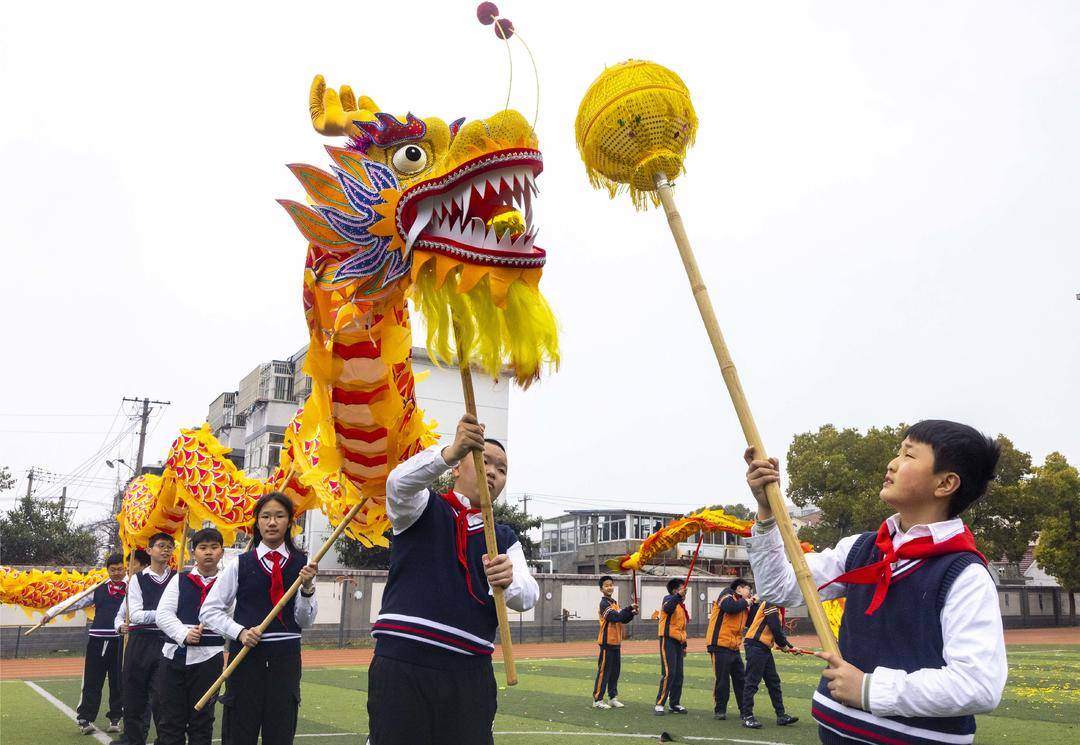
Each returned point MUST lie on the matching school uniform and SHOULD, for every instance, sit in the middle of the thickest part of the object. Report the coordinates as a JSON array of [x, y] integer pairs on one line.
[[924, 626], [263, 693], [143, 652], [188, 670], [723, 637], [671, 631], [765, 629], [103, 652], [431, 681], [609, 663]]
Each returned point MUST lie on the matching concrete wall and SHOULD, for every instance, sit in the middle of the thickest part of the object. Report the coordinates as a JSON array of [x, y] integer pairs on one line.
[[349, 602]]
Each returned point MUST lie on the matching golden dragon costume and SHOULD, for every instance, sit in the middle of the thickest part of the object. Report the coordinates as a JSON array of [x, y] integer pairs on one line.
[[421, 209]]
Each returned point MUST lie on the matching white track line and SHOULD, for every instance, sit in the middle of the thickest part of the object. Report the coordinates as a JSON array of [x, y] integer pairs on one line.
[[627, 735], [68, 712], [641, 736]]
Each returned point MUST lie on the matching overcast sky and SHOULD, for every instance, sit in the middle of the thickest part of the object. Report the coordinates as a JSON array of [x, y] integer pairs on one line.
[[883, 201]]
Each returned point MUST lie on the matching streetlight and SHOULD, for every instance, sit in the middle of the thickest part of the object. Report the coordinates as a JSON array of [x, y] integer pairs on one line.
[[112, 464]]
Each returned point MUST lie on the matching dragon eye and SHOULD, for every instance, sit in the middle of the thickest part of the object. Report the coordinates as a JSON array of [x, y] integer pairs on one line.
[[410, 159]]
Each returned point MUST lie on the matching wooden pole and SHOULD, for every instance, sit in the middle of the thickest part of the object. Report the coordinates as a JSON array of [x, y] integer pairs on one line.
[[489, 529], [746, 419], [693, 561], [278, 608], [67, 604]]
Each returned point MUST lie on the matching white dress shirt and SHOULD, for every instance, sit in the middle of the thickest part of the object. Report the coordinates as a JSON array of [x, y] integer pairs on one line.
[[176, 629], [216, 612], [973, 641], [132, 607], [407, 498]]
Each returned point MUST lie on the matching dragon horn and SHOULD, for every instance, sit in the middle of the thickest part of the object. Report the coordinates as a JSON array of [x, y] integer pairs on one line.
[[333, 114]]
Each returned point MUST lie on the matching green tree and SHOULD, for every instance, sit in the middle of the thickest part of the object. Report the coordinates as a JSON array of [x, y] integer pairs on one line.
[[1004, 520], [6, 479], [840, 472], [37, 531], [1058, 551]]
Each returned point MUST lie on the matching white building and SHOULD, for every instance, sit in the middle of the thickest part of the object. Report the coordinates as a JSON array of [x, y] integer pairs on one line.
[[252, 420]]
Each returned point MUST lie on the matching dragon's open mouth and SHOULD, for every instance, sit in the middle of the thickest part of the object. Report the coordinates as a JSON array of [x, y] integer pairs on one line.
[[480, 212]]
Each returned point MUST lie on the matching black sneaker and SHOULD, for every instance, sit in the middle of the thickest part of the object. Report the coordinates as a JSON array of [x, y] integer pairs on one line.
[[676, 709], [751, 722], [114, 726], [85, 727], [720, 715], [785, 719]]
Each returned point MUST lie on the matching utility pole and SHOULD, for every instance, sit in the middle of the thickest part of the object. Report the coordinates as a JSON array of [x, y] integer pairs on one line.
[[29, 482], [63, 499], [144, 416], [523, 500]]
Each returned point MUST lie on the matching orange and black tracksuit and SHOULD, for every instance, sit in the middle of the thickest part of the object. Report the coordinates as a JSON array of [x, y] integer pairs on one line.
[[723, 639], [672, 633], [610, 641], [765, 629]]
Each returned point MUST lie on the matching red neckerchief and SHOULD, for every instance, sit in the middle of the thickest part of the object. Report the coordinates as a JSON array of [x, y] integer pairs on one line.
[[117, 589], [880, 572], [461, 534], [202, 584]]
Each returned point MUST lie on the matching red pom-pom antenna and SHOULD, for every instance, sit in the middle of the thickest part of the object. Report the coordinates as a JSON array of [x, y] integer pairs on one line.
[[486, 13], [504, 28]]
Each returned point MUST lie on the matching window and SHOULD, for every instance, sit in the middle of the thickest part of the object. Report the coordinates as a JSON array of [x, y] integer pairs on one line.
[[282, 388], [584, 533], [566, 538], [618, 529], [1006, 600], [275, 456]]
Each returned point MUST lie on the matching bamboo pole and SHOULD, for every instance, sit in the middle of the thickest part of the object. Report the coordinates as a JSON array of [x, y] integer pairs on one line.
[[67, 604], [505, 640], [746, 419], [278, 608]]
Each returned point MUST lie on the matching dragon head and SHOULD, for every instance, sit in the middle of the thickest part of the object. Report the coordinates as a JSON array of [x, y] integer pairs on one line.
[[440, 210]]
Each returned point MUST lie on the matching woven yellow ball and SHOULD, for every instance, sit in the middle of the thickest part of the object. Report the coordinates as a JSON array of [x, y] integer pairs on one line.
[[635, 123]]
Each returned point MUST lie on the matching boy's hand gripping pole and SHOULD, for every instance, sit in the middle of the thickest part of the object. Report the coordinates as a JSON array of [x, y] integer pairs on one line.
[[505, 640], [279, 607], [746, 419]]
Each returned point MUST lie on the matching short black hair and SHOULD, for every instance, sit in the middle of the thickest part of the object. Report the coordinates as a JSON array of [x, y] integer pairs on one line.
[[496, 443], [114, 559], [965, 451], [140, 556], [737, 583], [160, 536], [674, 584], [207, 535], [604, 579]]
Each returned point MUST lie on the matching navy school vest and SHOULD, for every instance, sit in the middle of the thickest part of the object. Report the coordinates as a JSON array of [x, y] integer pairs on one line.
[[152, 591], [106, 607], [903, 634], [188, 604], [428, 617], [282, 636]]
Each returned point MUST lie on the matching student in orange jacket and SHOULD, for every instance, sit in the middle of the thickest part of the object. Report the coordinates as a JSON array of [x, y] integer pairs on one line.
[[672, 633], [609, 663], [728, 619], [765, 631]]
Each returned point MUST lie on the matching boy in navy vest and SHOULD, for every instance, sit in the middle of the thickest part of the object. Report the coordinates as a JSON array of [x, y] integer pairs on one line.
[[193, 655], [431, 681], [921, 642], [137, 618], [102, 648]]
